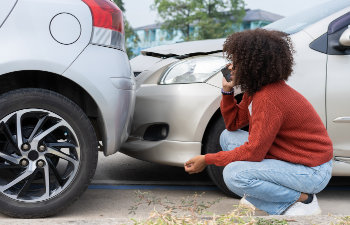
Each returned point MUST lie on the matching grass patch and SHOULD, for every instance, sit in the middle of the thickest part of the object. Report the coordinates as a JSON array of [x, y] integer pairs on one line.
[[191, 211], [344, 221]]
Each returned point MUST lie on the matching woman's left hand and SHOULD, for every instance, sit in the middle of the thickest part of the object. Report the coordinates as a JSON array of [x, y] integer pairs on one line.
[[195, 165]]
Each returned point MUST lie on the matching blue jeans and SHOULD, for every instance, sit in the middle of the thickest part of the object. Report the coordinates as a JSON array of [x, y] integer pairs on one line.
[[271, 185]]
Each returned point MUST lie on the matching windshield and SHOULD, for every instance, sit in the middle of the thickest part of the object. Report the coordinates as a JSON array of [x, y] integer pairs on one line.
[[299, 21]]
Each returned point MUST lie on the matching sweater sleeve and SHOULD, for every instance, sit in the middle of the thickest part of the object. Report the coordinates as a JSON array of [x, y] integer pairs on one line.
[[235, 115], [265, 123]]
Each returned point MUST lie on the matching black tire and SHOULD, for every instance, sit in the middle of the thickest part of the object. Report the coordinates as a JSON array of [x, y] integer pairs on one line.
[[212, 145], [68, 153]]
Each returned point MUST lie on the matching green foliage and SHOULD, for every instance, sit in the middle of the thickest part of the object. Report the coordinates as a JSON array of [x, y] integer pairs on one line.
[[130, 34], [178, 15], [200, 19], [120, 4]]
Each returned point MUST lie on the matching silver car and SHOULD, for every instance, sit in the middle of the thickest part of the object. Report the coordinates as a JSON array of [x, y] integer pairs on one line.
[[177, 112], [67, 92]]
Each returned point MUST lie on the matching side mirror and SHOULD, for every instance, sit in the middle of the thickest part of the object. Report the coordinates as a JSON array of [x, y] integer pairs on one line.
[[344, 39]]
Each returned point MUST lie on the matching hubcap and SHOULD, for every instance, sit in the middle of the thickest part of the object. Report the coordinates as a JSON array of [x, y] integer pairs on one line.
[[39, 155], [33, 155]]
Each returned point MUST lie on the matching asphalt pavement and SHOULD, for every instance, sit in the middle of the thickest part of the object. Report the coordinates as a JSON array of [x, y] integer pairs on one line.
[[125, 189]]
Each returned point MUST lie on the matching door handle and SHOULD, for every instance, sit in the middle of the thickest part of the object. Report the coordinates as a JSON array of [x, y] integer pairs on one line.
[[345, 119]]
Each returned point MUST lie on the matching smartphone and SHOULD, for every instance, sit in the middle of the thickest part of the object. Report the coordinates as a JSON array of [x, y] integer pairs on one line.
[[226, 73]]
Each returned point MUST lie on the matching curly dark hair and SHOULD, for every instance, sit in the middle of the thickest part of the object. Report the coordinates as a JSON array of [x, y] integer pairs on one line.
[[260, 57]]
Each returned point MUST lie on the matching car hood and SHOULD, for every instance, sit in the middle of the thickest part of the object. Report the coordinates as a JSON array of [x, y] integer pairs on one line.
[[186, 49]]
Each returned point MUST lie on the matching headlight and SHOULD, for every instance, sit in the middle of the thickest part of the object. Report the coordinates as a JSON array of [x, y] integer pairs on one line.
[[194, 70]]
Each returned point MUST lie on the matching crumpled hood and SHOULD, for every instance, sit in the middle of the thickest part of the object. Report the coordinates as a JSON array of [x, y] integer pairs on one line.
[[186, 49]]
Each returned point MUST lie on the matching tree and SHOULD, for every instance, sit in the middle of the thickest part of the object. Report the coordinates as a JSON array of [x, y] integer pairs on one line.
[[200, 19], [178, 15], [220, 18], [120, 4], [130, 34]]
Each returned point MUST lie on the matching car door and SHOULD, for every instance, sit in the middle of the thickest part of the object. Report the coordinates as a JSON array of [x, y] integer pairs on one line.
[[5, 9], [338, 89]]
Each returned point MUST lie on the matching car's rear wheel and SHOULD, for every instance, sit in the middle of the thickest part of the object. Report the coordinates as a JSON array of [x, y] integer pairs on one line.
[[212, 145], [48, 153]]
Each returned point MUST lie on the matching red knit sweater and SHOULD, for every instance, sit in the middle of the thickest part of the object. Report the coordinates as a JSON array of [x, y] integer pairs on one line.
[[283, 126]]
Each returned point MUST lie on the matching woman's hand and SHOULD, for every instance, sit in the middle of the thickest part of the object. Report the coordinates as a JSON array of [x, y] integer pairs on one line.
[[228, 86], [195, 165]]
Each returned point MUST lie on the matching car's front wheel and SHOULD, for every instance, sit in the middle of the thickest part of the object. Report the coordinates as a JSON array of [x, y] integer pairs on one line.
[[48, 153], [212, 145]]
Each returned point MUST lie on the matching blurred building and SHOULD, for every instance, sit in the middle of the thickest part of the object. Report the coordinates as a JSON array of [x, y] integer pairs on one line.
[[152, 35]]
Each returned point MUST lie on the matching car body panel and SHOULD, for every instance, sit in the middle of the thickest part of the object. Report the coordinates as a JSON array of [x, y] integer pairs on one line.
[[338, 110], [26, 51], [143, 63], [116, 104], [341, 168], [310, 66], [185, 48], [5, 9], [338, 93]]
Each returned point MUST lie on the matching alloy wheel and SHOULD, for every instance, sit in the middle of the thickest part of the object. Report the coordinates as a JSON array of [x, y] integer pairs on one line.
[[39, 155]]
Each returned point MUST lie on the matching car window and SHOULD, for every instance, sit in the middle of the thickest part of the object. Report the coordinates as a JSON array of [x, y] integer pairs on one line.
[[299, 21]]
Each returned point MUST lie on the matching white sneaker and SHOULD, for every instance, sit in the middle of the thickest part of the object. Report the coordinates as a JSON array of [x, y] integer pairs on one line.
[[245, 203], [302, 209]]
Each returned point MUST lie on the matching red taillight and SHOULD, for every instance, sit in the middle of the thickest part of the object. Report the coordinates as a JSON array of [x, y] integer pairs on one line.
[[106, 14], [108, 24]]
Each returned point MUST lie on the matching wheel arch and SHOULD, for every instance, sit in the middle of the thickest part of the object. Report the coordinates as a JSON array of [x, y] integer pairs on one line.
[[57, 83], [212, 121]]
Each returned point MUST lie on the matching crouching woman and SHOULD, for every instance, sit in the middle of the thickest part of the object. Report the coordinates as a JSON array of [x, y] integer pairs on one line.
[[286, 157]]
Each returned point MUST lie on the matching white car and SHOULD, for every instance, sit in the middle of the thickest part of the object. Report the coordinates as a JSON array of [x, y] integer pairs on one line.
[[177, 112], [66, 92]]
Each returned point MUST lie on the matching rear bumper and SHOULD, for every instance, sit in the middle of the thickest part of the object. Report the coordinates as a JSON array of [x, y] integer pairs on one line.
[[106, 75]]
